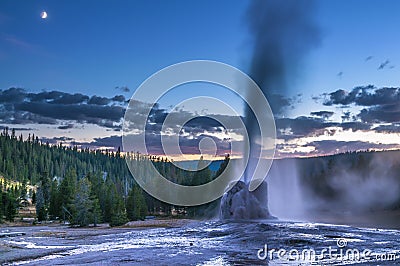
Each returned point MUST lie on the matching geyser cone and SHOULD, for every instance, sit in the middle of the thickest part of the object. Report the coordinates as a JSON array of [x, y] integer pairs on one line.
[[241, 204]]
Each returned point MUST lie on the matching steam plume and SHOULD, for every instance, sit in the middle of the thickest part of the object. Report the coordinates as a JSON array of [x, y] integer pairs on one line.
[[282, 34]]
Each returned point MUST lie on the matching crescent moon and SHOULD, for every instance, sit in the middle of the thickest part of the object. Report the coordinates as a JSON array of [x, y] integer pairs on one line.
[[43, 15]]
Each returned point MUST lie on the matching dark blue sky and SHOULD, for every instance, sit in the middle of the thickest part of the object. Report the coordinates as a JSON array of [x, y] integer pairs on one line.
[[90, 47], [93, 46]]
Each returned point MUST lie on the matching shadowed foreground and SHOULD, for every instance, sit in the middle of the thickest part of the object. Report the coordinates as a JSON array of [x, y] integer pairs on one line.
[[194, 243]]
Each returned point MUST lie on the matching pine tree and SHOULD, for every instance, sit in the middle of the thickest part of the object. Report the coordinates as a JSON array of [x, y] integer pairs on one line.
[[1, 206], [136, 207], [41, 211], [43, 197], [82, 204], [110, 193], [118, 216], [203, 173], [11, 207], [95, 211], [130, 206], [34, 197], [54, 205], [223, 165], [66, 192]]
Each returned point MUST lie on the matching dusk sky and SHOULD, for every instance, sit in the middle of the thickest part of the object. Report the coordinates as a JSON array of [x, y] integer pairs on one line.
[[67, 77]]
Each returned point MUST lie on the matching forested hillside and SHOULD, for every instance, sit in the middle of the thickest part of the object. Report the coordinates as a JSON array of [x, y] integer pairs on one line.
[[83, 186], [353, 181], [28, 160]]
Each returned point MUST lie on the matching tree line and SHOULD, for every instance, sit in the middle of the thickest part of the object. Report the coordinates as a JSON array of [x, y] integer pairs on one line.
[[86, 186]]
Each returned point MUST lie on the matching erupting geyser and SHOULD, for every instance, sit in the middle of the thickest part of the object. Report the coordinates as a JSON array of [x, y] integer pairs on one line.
[[282, 34], [241, 204]]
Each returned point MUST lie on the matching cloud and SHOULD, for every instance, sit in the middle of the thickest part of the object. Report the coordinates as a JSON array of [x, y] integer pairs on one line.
[[99, 100], [67, 98], [45, 95], [341, 97], [56, 140], [279, 103], [123, 88], [355, 125], [53, 107], [68, 126], [300, 126], [64, 110], [12, 95], [303, 126], [382, 96], [382, 104], [393, 128], [118, 98], [77, 112], [381, 114], [346, 116], [323, 114], [110, 142], [383, 65], [17, 128], [333, 146], [18, 117], [187, 144]]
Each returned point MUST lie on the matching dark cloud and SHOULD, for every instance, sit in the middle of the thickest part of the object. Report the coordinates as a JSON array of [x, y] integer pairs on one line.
[[112, 142], [118, 98], [52, 107], [383, 104], [323, 114], [68, 126], [99, 100], [300, 126], [12, 95], [371, 96], [333, 146], [45, 96], [187, 144], [290, 128], [279, 103], [355, 126], [17, 128], [383, 65], [393, 128], [341, 97], [381, 114], [56, 140], [123, 88], [346, 116], [20, 117], [67, 98], [194, 123], [78, 112]]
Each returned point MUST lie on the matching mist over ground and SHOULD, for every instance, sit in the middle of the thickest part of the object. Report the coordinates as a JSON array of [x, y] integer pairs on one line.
[[358, 185]]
